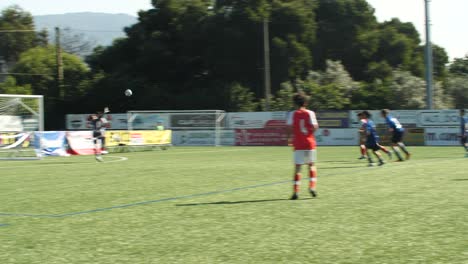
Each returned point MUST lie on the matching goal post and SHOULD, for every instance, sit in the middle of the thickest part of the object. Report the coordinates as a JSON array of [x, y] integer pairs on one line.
[[21, 118], [179, 121]]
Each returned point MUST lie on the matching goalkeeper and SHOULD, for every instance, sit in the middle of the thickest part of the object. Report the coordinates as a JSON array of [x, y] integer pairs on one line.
[[99, 124]]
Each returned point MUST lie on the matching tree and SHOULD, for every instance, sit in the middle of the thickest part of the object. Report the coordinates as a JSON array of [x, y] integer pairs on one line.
[[331, 89], [459, 66], [10, 86], [39, 66], [21, 37], [407, 91], [341, 25], [457, 88]]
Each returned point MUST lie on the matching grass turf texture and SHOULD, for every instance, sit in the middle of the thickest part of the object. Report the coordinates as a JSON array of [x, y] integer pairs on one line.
[[230, 205]]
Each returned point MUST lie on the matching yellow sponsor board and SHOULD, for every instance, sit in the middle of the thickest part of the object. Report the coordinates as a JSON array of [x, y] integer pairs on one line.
[[138, 137]]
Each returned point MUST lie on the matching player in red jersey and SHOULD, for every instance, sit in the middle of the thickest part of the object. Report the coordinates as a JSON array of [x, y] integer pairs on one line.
[[362, 136], [302, 123]]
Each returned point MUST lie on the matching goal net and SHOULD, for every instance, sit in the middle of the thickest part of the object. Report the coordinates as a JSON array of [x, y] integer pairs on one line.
[[21, 117], [209, 124]]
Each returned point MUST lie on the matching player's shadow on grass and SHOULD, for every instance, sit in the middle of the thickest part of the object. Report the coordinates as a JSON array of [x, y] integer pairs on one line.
[[239, 202], [460, 180]]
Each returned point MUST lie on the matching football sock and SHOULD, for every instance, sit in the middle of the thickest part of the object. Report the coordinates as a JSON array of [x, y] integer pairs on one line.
[[403, 147], [297, 182], [313, 177], [397, 152], [369, 158]]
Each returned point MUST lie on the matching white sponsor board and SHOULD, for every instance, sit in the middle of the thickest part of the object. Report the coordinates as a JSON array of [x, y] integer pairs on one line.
[[80, 122], [245, 120], [442, 136], [404, 116], [420, 118], [438, 118], [202, 138], [337, 137]]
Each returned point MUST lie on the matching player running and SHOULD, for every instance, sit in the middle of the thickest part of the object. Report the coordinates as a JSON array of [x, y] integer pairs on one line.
[[303, 123], [372, 140], [397, 131], [464, 131], [362, 136]]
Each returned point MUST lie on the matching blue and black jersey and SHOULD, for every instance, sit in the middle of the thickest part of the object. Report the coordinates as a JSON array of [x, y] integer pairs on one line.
[[393, 123]]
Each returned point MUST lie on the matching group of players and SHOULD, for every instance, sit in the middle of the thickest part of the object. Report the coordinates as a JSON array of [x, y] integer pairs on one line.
[[302, 123], [370, 138]]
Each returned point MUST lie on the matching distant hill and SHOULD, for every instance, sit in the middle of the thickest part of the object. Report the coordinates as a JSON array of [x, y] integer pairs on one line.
[[98, 28]]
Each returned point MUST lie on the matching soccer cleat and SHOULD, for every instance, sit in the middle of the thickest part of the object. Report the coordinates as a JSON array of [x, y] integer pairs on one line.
[[371, 165], [99, 158], [381, 162], [362, 157], [104, 152], [294, 196], [313, 192], [408, 156]]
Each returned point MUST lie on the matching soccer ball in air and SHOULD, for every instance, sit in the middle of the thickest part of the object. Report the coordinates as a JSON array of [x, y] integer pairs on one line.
[[128, 92]]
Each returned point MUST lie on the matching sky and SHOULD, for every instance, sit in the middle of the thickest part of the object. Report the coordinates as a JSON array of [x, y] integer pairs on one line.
[[448, 17]]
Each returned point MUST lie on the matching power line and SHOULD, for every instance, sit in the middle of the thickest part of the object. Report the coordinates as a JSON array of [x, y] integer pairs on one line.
[[16, 30], [26, 74]]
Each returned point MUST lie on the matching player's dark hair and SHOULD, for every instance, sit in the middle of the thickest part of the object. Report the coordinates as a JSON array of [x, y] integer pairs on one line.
[[300, 99], [385, 112], [366, 113]]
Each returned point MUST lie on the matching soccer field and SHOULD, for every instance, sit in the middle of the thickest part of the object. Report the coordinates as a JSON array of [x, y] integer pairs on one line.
[[230, 205]]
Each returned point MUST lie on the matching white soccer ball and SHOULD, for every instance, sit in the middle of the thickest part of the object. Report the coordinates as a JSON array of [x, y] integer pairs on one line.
[[128, 92]]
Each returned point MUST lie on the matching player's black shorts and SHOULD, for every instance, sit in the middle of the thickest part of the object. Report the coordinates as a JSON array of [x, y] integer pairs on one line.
[[397, 136], [97, 134], [372, 144]]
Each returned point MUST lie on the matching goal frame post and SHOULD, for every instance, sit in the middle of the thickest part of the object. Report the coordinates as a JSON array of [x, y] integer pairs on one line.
[[217, 127]]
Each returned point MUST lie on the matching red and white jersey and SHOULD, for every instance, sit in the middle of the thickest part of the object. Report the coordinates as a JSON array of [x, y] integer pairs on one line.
[[363, 123], [304, 123]]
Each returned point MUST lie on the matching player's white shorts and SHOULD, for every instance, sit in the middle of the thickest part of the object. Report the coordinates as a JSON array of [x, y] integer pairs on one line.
[[305, 156]]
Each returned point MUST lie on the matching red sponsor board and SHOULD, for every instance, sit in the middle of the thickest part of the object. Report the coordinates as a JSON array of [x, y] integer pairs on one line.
[[261, 137]]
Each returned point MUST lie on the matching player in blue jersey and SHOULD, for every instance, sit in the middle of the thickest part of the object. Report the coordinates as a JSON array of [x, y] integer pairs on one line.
[[397, 131], [372, 140], [464, 131]]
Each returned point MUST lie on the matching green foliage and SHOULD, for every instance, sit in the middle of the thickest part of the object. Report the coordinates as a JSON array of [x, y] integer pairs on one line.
[[10, 86], [332, 89], [39, 68], [408, 91], [241, 99], [459, 66], [12, 44], [457, 88], [200, 54], [283, 99]]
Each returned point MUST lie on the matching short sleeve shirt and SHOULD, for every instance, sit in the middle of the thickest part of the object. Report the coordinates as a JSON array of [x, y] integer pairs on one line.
[[303, 122]]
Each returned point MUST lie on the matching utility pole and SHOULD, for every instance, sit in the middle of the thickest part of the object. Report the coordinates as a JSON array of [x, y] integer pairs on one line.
[[58, 53], [428, 58], [266, 55]]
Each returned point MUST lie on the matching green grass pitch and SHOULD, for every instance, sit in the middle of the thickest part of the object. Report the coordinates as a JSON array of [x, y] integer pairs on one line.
[[230, 205]]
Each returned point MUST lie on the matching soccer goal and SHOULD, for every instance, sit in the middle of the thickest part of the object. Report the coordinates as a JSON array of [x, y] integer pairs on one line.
[[21, 118], [203, 127]]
